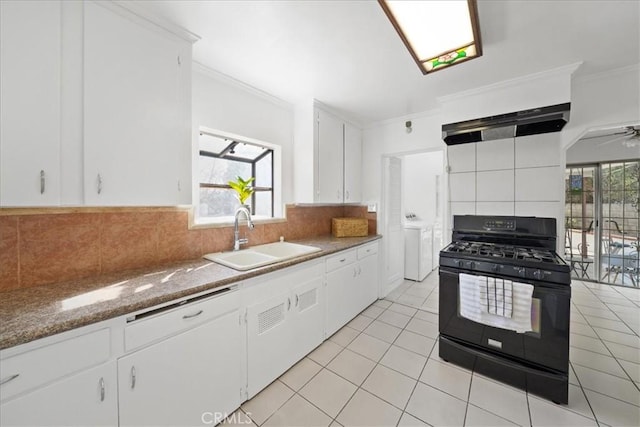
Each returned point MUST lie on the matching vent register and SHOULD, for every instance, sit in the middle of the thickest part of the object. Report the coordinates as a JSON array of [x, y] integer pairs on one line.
[[274, 316], [535, 121]]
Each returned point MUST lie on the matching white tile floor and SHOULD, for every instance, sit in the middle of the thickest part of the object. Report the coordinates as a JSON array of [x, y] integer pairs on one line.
[[383, 369]]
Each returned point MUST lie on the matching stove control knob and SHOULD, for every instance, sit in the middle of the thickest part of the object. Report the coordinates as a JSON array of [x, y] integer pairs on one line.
[[471, 265], [496, 268], [522, 272], [538, 274], [460, 263]]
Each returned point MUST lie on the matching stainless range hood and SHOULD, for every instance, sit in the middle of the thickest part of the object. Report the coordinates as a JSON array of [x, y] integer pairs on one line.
[[528, 122]]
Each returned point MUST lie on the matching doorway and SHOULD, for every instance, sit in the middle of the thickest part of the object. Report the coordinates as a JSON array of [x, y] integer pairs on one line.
[[602, 222], [411, 184]]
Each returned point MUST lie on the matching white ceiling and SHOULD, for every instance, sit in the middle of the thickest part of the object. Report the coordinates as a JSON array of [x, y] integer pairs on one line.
[[347, 55]]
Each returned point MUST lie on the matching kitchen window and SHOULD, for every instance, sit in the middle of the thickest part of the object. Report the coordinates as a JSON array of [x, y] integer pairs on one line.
[[602, 215], [222, 157]]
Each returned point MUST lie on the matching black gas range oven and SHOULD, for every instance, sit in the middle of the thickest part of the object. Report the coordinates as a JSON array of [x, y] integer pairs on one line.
[[504, 302]]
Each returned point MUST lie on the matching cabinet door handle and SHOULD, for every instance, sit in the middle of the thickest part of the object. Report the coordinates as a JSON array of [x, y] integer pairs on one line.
[[133, 377], [297, 300], [99, 184], [288, 304], [191, 316], [343, 260], [8, 379], [102, 390], [42, 182]]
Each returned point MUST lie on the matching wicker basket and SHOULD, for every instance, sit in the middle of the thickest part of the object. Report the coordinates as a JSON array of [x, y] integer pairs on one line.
[[349, 227]]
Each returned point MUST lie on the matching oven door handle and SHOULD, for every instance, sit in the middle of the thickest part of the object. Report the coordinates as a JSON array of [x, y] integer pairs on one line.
[[505, 362], [539, 285]]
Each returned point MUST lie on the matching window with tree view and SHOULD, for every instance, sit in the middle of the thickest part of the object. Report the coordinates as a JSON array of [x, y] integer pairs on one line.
[[224, 159]]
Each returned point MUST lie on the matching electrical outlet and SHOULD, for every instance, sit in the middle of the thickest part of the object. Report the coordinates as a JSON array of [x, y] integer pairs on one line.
[[372, 207]]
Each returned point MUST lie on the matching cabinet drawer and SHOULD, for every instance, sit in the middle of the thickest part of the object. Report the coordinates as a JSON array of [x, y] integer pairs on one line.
[[51, 362], [339, 260], [367, 250], [153, 325]]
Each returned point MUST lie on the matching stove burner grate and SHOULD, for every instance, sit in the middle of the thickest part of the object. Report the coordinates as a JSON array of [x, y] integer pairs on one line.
[[489, 250]]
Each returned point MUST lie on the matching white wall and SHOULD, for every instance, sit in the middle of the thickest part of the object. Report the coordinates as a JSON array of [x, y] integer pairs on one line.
[[224, 104], [603, 100], [596, 101], [391, 138], [601, 150], [419, 184], [531, 91]]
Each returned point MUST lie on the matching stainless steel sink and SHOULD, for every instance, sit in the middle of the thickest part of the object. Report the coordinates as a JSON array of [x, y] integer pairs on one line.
[[261, 255]]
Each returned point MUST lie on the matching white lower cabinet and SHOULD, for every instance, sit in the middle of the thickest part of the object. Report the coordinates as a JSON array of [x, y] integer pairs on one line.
[[190, 362], [351, 285], [368, 274], [284, 323], [188, 379], [88, 398], [342, 292], [63, 380]]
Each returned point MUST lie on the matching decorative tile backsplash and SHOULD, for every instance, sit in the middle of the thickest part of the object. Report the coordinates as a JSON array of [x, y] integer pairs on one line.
[[45, 246]]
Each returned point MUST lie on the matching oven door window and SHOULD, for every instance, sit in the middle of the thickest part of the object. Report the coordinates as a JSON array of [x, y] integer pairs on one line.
[[535, 313]]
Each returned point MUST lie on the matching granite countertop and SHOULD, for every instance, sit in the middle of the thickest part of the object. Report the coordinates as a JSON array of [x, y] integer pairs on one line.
[[37, 312]]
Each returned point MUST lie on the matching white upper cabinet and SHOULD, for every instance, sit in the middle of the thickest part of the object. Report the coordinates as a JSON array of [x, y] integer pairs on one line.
[[328, 158], [136, 111], [330, 161], [30, 64], [352, 164], [95, 106]]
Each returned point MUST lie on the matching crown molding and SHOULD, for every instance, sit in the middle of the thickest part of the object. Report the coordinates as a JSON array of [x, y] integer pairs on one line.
[[231, 81], [339, 114], [144, 14], [607, 73], [567, 70]]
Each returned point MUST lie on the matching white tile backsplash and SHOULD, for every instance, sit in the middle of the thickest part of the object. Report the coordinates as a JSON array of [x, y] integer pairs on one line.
[[495, 208], [539, 184], [462, 157], [542, 209], [521, 176], [495, 155], [537, 150], [462, 208], [495, 186], [462, 187]]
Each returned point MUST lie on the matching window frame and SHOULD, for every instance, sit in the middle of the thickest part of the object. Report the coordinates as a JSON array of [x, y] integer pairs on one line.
[[276, 176]]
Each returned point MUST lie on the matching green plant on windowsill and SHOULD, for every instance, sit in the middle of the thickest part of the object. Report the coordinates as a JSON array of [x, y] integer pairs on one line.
[[243, 188]]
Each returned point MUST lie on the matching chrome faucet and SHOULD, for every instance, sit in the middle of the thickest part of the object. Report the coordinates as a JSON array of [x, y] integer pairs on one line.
[[237, 241]]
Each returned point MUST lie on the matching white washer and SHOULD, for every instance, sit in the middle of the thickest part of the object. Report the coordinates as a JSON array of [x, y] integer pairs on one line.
[[418, 248]]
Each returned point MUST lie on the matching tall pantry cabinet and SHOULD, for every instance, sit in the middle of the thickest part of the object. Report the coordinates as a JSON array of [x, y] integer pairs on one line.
[[95, 106]]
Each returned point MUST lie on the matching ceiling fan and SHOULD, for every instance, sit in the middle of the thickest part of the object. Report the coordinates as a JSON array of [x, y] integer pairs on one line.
[[629, 137]]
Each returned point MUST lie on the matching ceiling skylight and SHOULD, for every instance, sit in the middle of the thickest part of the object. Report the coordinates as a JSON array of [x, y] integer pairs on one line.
[[438, 34]]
